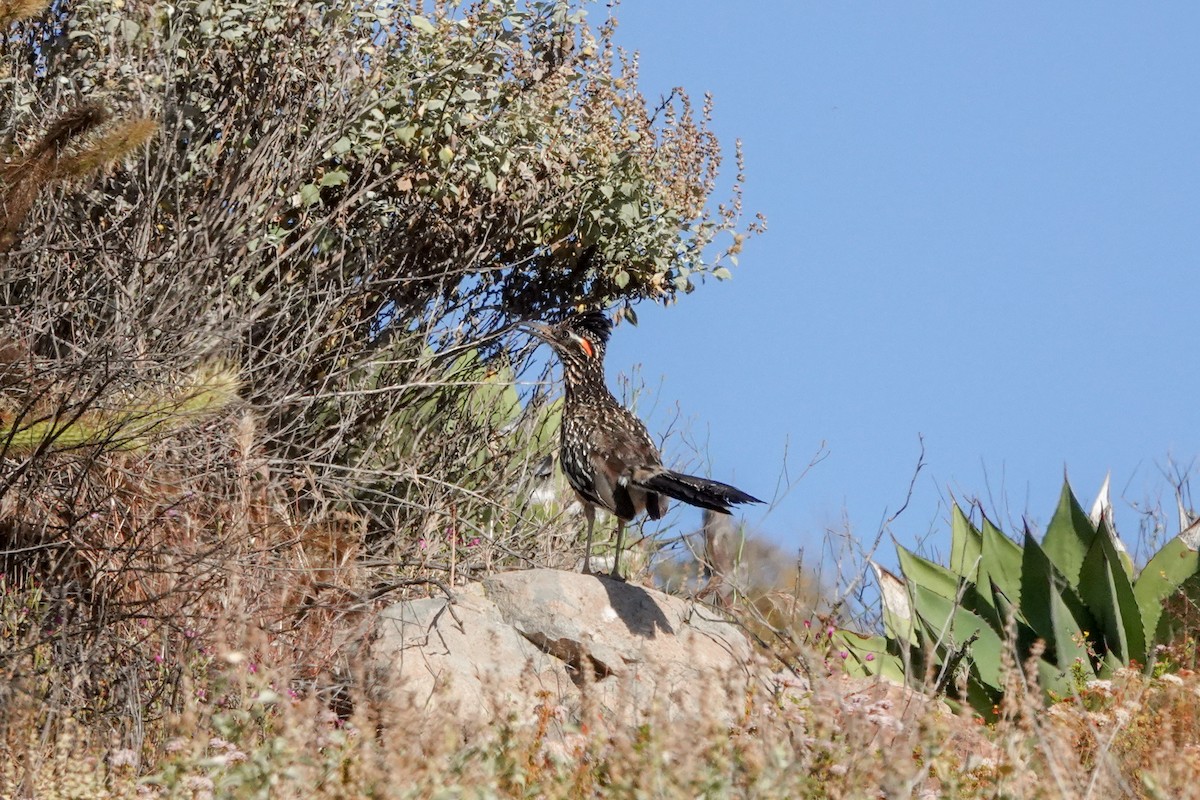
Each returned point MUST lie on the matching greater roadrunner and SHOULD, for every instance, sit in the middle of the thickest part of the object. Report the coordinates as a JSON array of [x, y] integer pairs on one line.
[[606, 452]]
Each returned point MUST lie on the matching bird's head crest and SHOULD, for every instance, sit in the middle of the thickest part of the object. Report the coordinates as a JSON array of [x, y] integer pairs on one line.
[[592, 325], [579, 335]]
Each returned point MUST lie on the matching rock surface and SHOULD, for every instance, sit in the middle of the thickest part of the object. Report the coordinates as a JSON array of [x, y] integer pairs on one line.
[[520, 640], [577, 655]]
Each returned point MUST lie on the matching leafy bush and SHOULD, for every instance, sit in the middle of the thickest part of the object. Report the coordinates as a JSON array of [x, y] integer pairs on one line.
[[349, 204], [343, 201]]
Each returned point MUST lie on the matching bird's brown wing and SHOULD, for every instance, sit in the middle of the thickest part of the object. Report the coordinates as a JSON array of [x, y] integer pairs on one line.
[[621, 447]]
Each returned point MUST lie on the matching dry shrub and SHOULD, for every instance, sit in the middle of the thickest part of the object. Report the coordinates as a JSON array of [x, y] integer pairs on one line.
[[348, 208], [241, 728], [357, 233]]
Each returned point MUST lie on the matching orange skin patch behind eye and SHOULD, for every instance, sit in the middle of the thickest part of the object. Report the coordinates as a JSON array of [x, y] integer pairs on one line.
[[583, 343]]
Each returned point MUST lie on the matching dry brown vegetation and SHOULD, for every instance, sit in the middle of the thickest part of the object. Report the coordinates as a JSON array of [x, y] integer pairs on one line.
[[258, 267], [238, 732]]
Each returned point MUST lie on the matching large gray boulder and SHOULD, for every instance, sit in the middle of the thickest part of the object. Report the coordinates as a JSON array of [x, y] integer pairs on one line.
[[559, 640]]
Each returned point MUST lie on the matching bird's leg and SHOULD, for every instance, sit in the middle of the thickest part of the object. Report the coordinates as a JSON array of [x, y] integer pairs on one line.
[[616, 570], [589, 511]]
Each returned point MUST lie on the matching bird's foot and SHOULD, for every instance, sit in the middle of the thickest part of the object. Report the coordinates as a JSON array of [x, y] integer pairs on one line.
[[618, 577]]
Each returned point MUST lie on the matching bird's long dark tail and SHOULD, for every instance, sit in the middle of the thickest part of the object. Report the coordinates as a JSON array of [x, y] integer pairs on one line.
[[701, 492]]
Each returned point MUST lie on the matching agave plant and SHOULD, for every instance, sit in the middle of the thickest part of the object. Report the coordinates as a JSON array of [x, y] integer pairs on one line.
[[51, 418], [1072, 601]]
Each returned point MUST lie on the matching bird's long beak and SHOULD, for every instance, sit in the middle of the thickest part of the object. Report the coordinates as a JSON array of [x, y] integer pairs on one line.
[[538, 329]]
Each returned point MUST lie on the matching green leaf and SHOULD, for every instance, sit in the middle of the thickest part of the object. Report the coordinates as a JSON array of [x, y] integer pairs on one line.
[[335, 177], [1004, 610], [1163, 576], [621, 279], [309, 194], [722, 274], [1069, 536], [1050, 675], [950, 625], [422, 24], [932, 576], [966, 546], [1052, 608], [1000, 562], [867, 656], [983, 699], [1056, 683], [1105, 587], [1110, 665], [549, 424], [341, 146]]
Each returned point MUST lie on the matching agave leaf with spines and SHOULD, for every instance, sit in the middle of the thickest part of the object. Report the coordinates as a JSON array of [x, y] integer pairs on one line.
[[966, 545], [546, 433], [1000, 563], [1164, 574], [948, 625], [932, 576], [1069, 536], [1107, 588], [127, 423], [1007, 614], [1052, 608]]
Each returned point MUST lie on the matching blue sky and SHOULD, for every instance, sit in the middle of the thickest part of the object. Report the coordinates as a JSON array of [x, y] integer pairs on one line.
[[984, 231]]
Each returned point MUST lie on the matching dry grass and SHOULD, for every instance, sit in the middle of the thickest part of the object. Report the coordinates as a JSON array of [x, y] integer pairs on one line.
[[248, 722], [187, 631]]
